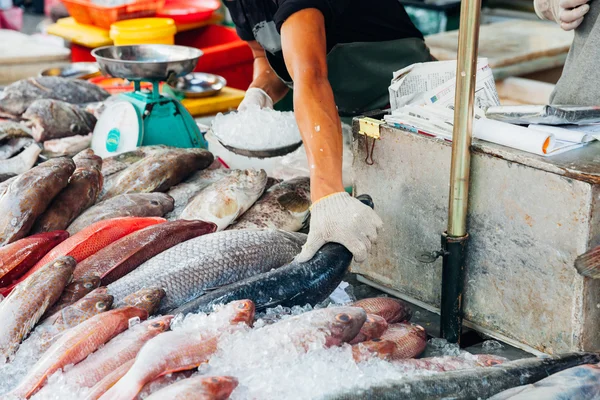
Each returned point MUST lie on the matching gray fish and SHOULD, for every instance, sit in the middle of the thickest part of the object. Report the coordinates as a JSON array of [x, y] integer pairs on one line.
[[14, 146], [284, 206], [54, 119], [158, 172], [17, 96], [125, 205], [12, 130], [470, 384], [183, 192], [114, 164], [290, 285], [22, 162], [28, 196], [190, 268], [68, 146], [226, 200], [581, 383]]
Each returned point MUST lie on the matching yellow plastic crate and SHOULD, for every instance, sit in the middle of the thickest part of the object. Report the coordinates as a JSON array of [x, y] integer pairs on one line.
[[227, 99]]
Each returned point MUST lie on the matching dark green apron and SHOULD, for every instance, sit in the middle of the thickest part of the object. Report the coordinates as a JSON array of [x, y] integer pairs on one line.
[[360, 73]]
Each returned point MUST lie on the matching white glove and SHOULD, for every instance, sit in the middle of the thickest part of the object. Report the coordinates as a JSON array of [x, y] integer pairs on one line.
[[342, 219], [256, 97], [567, 13]]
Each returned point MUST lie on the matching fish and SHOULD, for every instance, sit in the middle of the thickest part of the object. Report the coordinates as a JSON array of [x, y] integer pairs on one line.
[[162, 382], [14, 146], [471, 384], [81, 193], [289, 285], [92, 239], [199, 387], [364, 351], [373, 328], [20, 311], [55, 119], [189, 269], [18, 257], [116, 352], [581, 383], [146, 299], [68, 146], [198, 181], [115, 164], [179, 350], [284, 206], [22, 162], [14, 130], [18, 96], [74, 291], [126, 254], [108, 381], [126, 205], [158, 172], [28, 196], [410, 340], [393, 310], [4, 178], [75, 345], [227, 199], [450, 363]]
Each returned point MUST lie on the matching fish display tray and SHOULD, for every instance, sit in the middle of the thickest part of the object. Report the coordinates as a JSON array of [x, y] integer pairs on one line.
[[529, 217], [88, 13]]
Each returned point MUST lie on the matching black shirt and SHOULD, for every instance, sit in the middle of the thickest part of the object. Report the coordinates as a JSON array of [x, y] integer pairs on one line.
[[346, 21]]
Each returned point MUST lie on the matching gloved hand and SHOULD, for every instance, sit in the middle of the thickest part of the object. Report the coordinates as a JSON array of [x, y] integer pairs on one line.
[[567, 13], [256, 97], [342, 219]]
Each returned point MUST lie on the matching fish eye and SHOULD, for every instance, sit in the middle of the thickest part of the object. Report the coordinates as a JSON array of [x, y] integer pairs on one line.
[[88, 285], [343, 317], [376, 340], [154, 202], [243, 305], [148, 297], [156, 325], [100, 305], [215, 380]]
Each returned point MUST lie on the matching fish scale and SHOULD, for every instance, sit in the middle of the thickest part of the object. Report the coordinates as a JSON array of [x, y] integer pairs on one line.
[[189, 268]]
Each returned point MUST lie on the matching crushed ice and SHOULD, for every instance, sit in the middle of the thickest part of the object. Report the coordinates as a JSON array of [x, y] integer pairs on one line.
[[491, 345]]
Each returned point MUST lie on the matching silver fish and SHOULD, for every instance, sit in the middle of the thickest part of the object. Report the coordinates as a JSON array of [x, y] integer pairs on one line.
[[226, 200], [21, 163], [190, 268], [284, 206], [115, 164], [14, 146]]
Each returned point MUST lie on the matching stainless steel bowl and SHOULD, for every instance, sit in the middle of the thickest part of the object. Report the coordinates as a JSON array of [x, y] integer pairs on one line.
[[81, 70], [152, 62], [198, 84]]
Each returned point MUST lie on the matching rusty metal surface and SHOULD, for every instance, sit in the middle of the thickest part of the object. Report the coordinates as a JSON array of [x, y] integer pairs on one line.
[[529, 218]]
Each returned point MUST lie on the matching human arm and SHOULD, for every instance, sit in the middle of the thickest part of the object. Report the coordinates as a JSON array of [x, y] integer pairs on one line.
[[567, 13]]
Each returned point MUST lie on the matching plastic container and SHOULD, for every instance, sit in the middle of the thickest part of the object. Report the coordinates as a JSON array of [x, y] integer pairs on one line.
[[11, 19], [143, 31], [86, 12], [188, 11], [225, 54]]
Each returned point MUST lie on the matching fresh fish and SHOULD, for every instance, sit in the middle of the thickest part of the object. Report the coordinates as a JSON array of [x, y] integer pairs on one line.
[[21, 163], [190, 268], [126, 254], [146, 299], [18, 96], [28, 196], [449, 363], [365, 351], [178, 350], [108, 381], [14, 146], [581, 383], [115, 164], [227, 199], [472, 384], [373, 328], [199, 180], [410, 340], [80, 194], [54, 119], [68, 146], [284, 206], [393, 310], [76, 290], [13, 130], [158, 172], [20, 311], [75, 345], [18, 257], [126, 205], [115, 353], [90, 240], [162, 382], [199, 387]]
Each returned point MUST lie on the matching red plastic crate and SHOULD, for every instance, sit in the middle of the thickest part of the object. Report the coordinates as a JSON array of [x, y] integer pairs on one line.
[[225, 54], [86, 12]]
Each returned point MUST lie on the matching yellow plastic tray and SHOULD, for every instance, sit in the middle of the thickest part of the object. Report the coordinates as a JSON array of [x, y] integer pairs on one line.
[[227, 99]]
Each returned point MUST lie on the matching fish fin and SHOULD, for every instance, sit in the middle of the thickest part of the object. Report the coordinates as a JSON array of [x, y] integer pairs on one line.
[[305, 223], [71, 316], [29, 324], [294, 202]]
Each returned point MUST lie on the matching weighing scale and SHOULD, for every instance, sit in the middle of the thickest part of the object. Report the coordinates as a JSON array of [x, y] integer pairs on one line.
[[145, 117]]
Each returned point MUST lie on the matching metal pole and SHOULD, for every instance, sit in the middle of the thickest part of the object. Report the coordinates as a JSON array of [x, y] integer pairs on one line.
[[454, 241]]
